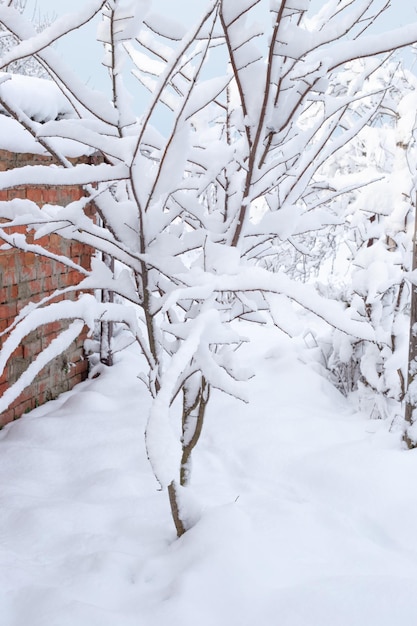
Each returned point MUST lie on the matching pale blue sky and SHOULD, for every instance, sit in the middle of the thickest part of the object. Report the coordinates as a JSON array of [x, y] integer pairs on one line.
[[84, 57], [401, 12]]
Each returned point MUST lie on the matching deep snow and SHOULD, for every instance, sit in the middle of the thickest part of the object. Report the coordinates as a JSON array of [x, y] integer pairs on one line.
[[308, 510]]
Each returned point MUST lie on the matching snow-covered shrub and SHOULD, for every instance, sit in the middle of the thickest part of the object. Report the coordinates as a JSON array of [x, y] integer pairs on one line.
[[375, 250]]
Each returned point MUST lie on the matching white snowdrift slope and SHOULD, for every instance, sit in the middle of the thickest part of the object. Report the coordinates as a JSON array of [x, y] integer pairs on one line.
[[310, 512]]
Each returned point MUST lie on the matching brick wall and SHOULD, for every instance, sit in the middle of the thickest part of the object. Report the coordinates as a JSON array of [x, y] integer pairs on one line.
[[24, 278]]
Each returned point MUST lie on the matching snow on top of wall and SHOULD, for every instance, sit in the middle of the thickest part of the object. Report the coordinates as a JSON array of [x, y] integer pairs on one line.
[[14, 138], [42, 101]]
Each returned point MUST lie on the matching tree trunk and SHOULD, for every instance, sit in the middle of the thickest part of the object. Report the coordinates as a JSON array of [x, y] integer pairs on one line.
[[192, 425], [106, 330], [411, 396], [173, 501]]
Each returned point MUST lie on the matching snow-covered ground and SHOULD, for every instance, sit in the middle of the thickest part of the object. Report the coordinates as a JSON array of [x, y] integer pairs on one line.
[[308, 518]]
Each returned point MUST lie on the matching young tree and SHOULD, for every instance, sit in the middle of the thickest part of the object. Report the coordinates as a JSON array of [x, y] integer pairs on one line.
[[176, 208]]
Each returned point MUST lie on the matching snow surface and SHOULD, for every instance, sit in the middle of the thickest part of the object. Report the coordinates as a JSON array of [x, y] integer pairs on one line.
[[307, 512]]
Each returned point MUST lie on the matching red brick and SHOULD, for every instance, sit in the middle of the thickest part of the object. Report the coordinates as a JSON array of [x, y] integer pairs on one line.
[[8, 276], [35, 286], [50, 195], [13, 292], [10, 262], [80, 367], [7, 417], [26, 395], [31, 349], [24, 407], [50, 283], [8, 310], [56, 327], [76, 248], [76, 380], [18, 353], [18, 192], [35, 194]]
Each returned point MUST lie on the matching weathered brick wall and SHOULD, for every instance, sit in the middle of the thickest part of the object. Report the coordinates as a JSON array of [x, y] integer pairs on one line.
[[24, 278]]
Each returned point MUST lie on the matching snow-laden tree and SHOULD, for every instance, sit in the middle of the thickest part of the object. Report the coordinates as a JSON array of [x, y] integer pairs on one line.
[[248, 119], [373, 252]]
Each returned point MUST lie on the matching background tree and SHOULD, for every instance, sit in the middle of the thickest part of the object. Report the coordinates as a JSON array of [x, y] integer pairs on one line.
[[28, 66], [372, 272]]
